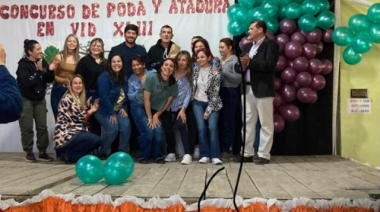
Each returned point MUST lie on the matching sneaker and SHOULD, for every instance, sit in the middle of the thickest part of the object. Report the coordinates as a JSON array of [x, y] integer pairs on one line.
[[45, 157], [30, 157], [216, 161], [196, 152], [186, 160], [159, 161], [143, 161], [204, 160], [170, 157]]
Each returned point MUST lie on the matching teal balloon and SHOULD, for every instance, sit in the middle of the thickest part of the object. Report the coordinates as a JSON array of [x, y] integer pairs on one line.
[[271, 7], [342, 36], [247, 4], [307, 23], [373, 13], [281, 13], [231, 10], [258, 13], [293, 11], [361, 43], [89, 169], [310, 7], [374, 33], [283, 3], [235, 28], [114, 174], [258, 3], [351, 57], [273, 25], [240, 15], [124, 159], [324, 5], [326, 19], [359, 22]]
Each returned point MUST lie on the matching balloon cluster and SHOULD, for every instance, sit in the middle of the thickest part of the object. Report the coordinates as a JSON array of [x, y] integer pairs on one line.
[[300, 27], [119, 166], [362, 31], [299, 74], [310, 14]]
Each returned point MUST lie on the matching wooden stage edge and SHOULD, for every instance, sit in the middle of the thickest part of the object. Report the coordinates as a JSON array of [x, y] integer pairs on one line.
[[286, 177]]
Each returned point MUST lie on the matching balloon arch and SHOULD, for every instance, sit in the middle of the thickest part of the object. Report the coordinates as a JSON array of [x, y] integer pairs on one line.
[[301, 28]]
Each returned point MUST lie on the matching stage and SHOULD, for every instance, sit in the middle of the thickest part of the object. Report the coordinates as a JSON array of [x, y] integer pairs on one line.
[[286, 177]]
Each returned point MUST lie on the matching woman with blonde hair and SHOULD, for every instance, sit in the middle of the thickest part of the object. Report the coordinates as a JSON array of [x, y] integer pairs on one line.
[[67, 61], [71, 135]]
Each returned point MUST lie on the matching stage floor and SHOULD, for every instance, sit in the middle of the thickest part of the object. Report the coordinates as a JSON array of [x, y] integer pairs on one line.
[[286, 177]]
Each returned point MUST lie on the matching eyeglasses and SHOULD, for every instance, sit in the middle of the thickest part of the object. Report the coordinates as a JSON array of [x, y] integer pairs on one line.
[[99, 46]]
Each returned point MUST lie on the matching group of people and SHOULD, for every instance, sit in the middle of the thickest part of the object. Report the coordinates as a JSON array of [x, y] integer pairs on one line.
[[95, 100]]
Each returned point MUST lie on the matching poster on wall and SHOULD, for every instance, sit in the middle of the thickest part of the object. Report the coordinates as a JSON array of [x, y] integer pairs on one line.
[[51, 21]]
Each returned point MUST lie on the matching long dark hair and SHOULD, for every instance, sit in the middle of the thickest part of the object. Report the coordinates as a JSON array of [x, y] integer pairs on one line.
[[29, 46], [117, 79], [171, 80]]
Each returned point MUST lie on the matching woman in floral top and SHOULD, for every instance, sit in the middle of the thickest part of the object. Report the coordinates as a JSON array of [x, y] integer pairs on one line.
[[71, 134]]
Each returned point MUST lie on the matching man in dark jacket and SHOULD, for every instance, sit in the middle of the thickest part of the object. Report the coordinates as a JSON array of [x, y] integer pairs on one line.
[[10, 98], [259, 59], [164, 48], [129, 48]]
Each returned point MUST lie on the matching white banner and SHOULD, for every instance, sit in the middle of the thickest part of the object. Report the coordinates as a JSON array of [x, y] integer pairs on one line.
[[50, 21]]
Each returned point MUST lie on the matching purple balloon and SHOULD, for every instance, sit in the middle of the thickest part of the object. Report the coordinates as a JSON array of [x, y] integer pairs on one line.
[[290, 63], [327, 66], [318, 83], [277, 83], [242, 42], [277, 101], [289, 112], [295, 84], [278, 122], [288, 93], [270, 35], [299, 37], [319, 47], [315, 98], [288, 75], [281, 63], [309, 50], [300, 64], [305, 95], [327, 36], [315, 66], [282, 40], [304, 79], [293, 49], [314, 36], [288, 26]]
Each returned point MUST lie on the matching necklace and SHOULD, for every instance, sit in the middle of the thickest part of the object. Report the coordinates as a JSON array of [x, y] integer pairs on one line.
[[204, 75]]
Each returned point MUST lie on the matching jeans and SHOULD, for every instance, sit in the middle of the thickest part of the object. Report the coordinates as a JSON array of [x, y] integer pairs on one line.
[[192, 127], [256, 143], [207, 130], [151, 141], [122, 127], [169, 120], [57, 91], [227, 127], [34, 111], [80, 145]]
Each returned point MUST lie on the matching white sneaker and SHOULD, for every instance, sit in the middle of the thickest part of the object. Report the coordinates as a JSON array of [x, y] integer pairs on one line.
[[216, 161], [186, 160], [196, 152], [204, 160], [170, 157]]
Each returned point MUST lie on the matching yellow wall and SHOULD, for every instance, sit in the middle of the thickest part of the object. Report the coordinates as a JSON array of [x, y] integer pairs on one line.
[[360, 133]]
